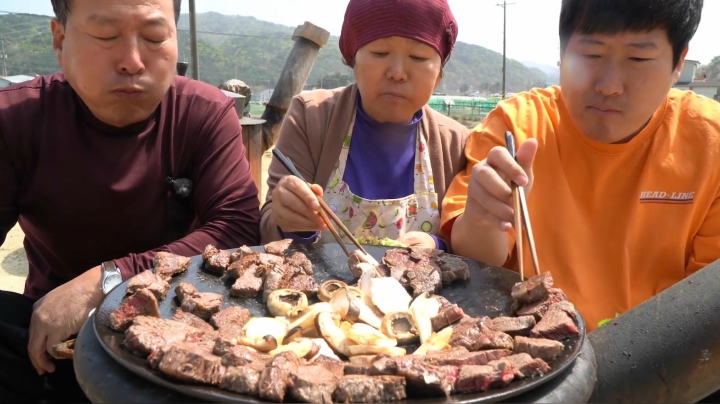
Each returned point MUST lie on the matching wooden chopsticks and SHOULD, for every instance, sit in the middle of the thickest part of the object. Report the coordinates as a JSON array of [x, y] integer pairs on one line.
[[325, 213], [521, 217]]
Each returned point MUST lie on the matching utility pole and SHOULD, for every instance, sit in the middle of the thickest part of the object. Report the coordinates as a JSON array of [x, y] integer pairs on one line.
[[4, 57], [195, 62], [504, 6]]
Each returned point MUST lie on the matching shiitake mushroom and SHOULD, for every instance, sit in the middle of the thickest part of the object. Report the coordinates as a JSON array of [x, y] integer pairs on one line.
[[400, 326]]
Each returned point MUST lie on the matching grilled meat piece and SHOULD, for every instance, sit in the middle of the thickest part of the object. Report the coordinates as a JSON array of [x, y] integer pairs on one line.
[[273, 280], [447, 316], [565, 306], [241, 379], [545, 349], [140, 303], [191, 320], [187, 362], [239, 253], [148, 280], [539, 308], [477, 378], [240, 355], [279, 247], [147, 334], [248, 285], [555, 324], [215, 261], [532, 290], [166, 264], [313, 384], [414, 268], [356, 369], [203, 305], [367, 389], [513, 325], [303, 283], [64, 350], [525, 365], [423, 379], [452, 267], [460, 356], [475, 335], [275, 378], [230, 321], [300, 261], [337, 367]]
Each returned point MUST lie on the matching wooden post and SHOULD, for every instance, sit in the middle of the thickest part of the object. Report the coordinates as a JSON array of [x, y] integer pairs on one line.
[[252, 139], [308, 41]]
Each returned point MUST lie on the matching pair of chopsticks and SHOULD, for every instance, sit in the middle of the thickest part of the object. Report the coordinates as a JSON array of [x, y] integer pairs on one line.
[[521, 215], [325, 211]]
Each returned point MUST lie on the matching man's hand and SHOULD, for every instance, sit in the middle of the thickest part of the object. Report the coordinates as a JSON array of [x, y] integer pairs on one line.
[[60, 314], [417, 239], [295, 207], [489, 194]]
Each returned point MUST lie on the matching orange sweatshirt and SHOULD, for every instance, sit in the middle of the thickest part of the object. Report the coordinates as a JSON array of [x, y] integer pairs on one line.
[[615, 224]]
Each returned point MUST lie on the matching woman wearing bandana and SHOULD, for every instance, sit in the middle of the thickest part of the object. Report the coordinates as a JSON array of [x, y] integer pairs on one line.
[[374, 151]]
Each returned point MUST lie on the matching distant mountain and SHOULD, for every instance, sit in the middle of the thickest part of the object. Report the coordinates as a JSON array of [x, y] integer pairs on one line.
[[552, 72], [255, 51]]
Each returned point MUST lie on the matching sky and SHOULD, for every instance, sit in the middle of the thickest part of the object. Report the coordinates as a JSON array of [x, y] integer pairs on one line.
[[531, 24]]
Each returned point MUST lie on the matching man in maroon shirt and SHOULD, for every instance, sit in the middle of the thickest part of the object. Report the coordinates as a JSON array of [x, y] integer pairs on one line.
[[85, 158]]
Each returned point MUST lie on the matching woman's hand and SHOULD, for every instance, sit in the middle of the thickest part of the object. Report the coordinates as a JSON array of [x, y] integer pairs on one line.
[[295, 207], [417, 239]]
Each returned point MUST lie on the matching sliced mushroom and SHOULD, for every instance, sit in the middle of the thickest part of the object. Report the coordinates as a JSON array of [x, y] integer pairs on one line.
[[331, 332], [423, 309], [326, 289], [303, 348], [295, 313], [376, 350], [305, 322], [435, 342], [400, 326], [364, 334], [263, 333], [388, 295], [282, 301], [324, 350], [360, 262], [350, 307]]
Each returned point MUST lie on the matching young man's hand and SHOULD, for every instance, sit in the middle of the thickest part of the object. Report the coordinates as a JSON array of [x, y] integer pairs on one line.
[[489, 194]]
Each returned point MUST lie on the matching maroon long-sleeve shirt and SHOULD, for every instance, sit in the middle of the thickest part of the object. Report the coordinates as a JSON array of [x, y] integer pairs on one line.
[[85, 192]]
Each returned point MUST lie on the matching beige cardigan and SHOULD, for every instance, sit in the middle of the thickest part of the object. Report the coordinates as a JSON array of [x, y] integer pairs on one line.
[[312, 134]]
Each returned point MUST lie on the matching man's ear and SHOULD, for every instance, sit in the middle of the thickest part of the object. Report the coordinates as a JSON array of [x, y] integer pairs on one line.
[[679, 67], [58, 33]]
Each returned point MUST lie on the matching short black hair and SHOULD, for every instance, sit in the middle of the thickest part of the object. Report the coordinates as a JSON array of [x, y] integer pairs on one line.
[[62, 9], [680, 18]]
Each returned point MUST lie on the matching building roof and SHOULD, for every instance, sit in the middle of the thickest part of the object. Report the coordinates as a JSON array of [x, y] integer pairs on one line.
[[21, 78]]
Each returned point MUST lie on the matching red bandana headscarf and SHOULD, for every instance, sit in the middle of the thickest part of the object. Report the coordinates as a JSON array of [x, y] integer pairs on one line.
[[427, 21]]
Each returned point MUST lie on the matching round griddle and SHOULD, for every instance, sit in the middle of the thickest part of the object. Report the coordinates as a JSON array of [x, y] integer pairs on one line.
[[486, 293]]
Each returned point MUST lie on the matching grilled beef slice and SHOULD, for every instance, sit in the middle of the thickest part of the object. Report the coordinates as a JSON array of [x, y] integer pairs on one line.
[[368, 389], [203, 305], [356, 369], [147, 334], [414, 268], [239, 253], [555, 324], [452, 268], [187, 362], [542, 348], [565, 306], [303, 283], [166, 264], [539, 308], [476, 378], [239, 355], [460, 356], [513, 325], [192, 320], [423, 379], [447, 316], [241, 379], [279, 247], [475, 335], [275, 378], [249, 284], [335, 366], [300, 261], [230, 321], [140, 303], [525, 365], [215, 261], [148, 280], [533, 289], [313, 384], [273, 280]]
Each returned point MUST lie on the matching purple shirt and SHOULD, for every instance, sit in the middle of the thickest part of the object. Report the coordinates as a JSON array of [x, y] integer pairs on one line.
[[380, 163]]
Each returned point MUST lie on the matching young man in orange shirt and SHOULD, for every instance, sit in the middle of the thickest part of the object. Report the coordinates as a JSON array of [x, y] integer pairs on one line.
[[621, 172]]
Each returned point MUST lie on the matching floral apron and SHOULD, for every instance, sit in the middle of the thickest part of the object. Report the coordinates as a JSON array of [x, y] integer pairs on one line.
[[375, 221]]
